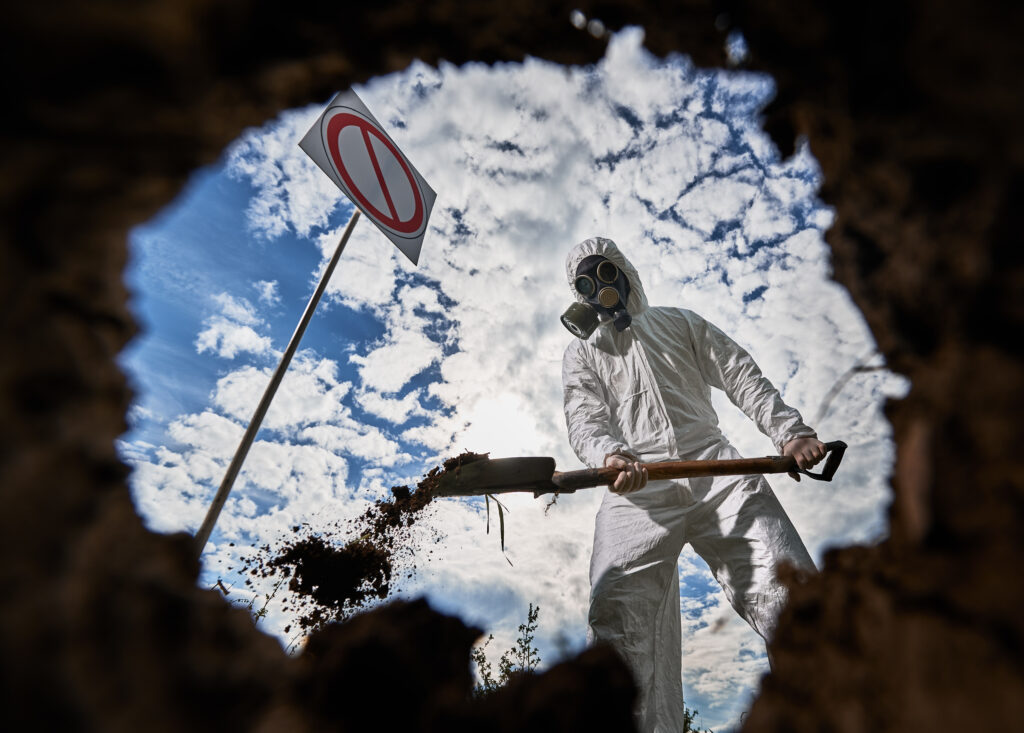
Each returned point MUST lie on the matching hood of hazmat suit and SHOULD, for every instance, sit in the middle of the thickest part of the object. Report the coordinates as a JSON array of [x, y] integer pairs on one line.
[[645, 392]]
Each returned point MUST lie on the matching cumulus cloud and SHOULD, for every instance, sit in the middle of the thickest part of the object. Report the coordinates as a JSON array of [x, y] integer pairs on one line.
[[228, 339], [357, 441], [233, 330], [237, 309], [290, 192], [310, 393], [395, 411], [390, 366], [267, 291], [297, 471]]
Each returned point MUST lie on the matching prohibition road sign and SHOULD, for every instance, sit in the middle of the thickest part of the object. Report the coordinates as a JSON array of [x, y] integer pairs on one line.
[[352, 148]]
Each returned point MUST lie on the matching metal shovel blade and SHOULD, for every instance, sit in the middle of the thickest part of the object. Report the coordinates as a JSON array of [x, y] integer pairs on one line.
[[498, 475]]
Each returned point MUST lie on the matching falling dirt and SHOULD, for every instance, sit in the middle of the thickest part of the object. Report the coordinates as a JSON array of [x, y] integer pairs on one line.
[[330, 579]]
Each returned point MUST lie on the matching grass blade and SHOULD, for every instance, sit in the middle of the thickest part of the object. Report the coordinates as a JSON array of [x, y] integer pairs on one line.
[[501, 522]]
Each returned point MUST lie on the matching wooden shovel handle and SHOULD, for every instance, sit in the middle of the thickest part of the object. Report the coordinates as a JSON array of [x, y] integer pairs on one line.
[[589, 477]]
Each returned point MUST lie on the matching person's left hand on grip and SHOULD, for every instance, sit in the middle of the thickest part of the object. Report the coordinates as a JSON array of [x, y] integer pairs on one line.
[[632, 474], [806, 452]]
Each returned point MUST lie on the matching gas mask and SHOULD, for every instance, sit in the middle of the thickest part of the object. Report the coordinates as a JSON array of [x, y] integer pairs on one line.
[[606, 290]]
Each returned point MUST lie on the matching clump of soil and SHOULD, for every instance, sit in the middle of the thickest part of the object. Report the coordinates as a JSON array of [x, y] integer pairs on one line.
[[331, 579]]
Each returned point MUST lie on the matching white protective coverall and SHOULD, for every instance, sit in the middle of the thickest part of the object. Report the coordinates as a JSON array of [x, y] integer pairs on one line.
[[645, 392]]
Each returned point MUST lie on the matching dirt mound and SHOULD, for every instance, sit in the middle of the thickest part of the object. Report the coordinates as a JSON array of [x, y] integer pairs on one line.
[[330, 577], [403, 667]]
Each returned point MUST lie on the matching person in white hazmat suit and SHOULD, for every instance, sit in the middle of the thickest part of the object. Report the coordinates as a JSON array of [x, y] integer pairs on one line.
[[637, 388]]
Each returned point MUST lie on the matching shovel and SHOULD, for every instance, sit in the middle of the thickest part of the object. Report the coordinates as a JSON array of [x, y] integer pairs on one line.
[[502, 475]]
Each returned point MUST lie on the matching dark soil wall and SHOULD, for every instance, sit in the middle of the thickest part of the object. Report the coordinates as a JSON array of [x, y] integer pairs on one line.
[[913, 109], [915, 112]]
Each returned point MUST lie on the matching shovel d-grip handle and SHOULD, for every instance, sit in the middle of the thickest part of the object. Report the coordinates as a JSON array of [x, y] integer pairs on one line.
[[566, 481], [836, 450]]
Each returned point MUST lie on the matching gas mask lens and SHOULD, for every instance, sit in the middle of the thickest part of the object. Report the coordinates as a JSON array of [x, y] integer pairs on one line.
[[585, 285], [607, 272]]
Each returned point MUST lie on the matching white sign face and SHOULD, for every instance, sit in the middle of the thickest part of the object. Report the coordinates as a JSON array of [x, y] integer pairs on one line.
[[351, 147]]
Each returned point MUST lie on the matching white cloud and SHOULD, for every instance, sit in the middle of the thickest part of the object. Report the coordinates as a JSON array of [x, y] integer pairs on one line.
[[359, 441], [406, 349], [295, 472], [310, 393], [714, 200], [166, 497], [292, 194], [237, 309], [390, 366], [365, 277], [395, 411], [232, 332], [216, 434], [765, 219], [138, 414], [227, 339], [267, 290]]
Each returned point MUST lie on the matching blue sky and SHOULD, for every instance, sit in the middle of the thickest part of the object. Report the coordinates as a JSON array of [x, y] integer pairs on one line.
[[403, 366]]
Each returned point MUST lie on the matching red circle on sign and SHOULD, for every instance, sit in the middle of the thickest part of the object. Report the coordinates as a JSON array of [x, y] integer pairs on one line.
[[338, 123]]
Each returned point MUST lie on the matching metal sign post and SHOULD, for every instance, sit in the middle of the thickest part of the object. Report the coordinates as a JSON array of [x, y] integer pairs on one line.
[[203, 535], [353, 149]]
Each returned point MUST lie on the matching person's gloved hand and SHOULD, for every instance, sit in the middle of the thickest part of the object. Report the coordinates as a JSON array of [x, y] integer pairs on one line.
[[806, 451], [632, 475]]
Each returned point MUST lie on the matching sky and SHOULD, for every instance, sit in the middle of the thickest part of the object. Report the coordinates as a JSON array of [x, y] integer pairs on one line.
[[403, 366]]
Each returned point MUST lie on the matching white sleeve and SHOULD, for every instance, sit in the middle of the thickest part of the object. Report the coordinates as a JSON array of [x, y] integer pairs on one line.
[[587, 414], [726, 365]]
